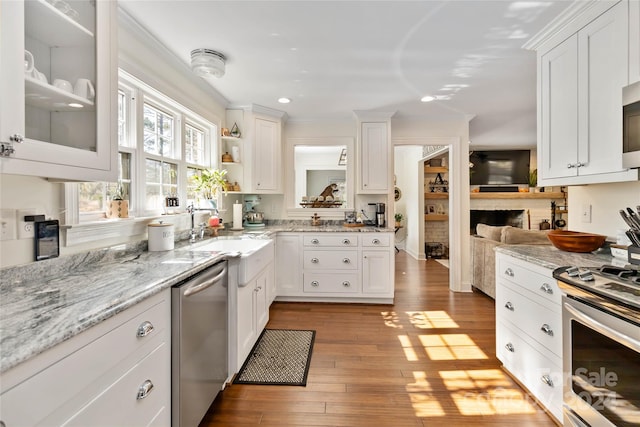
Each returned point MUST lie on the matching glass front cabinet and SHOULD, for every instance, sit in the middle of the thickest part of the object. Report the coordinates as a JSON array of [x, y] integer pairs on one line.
[[58, 80]]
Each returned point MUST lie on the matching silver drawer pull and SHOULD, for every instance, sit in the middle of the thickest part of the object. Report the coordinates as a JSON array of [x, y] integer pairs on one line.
[[315, 241], [144, 390], [315, 260], [547, 329], [346, 242], [346, 260], [375, 241], [546, 288], [509, 306], [509, 272], [145, 329], [547, 380], [346, 284], [315, 283], [510, 347]]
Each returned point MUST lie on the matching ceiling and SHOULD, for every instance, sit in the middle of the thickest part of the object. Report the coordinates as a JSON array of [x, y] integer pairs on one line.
[[333, 57]]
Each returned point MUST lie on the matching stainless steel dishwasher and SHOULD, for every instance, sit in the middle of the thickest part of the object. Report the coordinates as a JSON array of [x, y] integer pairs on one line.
[[199, 343]]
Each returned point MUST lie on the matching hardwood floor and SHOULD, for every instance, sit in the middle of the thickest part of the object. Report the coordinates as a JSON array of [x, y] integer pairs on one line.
[[427, 360]]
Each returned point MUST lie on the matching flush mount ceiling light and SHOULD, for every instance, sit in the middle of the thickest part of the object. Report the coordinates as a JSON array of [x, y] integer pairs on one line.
[[207, 63], [427, 98], [284, 100]]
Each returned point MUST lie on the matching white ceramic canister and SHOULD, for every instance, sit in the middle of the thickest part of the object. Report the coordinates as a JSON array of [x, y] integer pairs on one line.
[[160, 236]]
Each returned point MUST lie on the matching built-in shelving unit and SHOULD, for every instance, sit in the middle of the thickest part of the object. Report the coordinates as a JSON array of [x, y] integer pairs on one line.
[[436, 217]]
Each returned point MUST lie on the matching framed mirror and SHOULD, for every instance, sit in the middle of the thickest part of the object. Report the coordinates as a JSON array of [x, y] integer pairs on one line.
[[320, 176]]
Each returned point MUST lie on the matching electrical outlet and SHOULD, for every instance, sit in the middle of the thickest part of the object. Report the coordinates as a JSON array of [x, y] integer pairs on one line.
[[586, 213], [7, 224], [25, 229]]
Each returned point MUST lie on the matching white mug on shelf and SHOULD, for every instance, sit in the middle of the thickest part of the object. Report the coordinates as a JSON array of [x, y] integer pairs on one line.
[[63, 84], [84, 89], [39, 76], [28, 62]]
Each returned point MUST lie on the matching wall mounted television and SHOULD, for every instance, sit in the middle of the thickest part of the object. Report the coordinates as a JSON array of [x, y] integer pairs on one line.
[[506, 167]]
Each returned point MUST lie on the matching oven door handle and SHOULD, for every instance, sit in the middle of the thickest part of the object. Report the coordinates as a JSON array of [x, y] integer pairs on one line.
[[573, 418], [599, 327]]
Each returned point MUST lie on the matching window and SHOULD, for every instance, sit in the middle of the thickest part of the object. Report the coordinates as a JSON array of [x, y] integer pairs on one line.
[[163, 140]]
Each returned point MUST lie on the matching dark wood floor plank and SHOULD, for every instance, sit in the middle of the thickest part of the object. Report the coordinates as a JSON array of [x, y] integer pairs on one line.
[[427, 360]]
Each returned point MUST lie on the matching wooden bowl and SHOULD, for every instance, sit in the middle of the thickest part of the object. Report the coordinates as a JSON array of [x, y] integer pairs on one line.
[[575, 241]]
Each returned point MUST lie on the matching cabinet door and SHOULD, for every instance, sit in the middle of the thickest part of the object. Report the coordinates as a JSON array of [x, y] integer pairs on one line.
[[559, 111], [376, 272], [602, 56], [374, 158], [634, 41], [246, 321], [67, 134], [288, 264], [267, 157], [261, 300]]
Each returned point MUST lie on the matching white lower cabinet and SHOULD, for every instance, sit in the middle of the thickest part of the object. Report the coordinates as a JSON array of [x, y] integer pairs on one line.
[[252, 313], [335, 266], [529, 329], [115, 373]]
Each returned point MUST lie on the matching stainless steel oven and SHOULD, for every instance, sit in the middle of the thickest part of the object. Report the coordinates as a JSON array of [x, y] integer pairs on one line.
[[601, 348]]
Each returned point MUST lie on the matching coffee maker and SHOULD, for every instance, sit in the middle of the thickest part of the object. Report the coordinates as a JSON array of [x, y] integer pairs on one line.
[[380, 220]]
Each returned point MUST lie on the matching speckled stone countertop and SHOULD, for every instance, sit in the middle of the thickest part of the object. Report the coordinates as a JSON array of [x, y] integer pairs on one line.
[[45, 303], [550, 257]]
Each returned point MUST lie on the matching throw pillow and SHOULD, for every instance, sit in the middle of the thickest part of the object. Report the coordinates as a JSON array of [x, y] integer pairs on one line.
[[490, 231], [518, 236]]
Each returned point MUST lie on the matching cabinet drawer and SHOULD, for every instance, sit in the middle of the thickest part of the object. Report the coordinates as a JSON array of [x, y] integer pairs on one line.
[[540, 286], [376, 239], [541, 374], [84, 372], [331, 283], [331, 240], [331, 260], [540, 323], [122, 403]]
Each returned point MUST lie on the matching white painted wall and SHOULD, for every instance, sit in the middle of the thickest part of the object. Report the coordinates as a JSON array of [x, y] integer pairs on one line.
[[407, 169], [606, 200]]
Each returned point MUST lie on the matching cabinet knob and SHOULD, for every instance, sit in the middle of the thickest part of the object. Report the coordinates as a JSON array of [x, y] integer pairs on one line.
[[547, 380], [509, 306], [570, 165], [6, 150], [315, 283], [16, 137], [375, 241], [315, 241], [547, 329], [346, 242], [546, 288], [346, 260], [144, 389], [580, 164], [346, 284], [509, 272], [510, 347], [315, 260], [145, 329]]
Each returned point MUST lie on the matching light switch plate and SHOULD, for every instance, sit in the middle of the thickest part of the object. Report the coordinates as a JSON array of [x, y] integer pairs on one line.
[[586, 213], [25, 229], [7, 224]]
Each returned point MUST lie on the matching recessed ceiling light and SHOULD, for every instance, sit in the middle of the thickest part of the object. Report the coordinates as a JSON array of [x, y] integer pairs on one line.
[[75, 105], [427, 98], [284, 100]]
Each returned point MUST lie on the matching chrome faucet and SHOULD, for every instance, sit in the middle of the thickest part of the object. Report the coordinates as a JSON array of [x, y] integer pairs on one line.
[[192, 233]]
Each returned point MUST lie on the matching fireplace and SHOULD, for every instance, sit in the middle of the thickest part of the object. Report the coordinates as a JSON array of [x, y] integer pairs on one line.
[[513, 217]]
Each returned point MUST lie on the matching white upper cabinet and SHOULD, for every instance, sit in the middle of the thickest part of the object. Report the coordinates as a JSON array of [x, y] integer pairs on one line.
[[374, 156], [634, 41], [267, 165], [580, 100], [59, 85]]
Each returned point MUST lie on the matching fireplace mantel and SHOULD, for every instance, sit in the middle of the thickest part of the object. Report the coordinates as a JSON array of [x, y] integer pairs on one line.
[[514, 195]]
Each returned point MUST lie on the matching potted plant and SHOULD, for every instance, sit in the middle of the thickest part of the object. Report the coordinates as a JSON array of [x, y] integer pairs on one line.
[[398, 217], [533, 179], [118, 206], [208, 182]]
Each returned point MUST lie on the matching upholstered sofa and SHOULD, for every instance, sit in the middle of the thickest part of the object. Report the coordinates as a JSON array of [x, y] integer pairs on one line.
[[483, 258]]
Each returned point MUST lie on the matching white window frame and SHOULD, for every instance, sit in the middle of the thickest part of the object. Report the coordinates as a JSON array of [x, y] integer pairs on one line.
[[82, 228]]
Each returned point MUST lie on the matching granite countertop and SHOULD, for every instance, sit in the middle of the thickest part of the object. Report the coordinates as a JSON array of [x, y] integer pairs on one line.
[[550, 257], [45, 303]]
